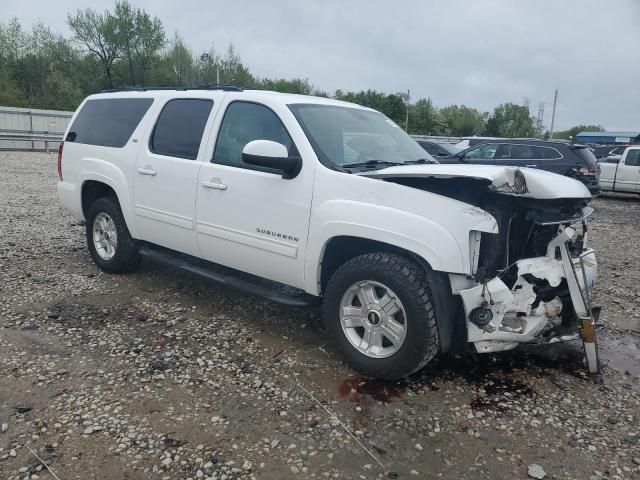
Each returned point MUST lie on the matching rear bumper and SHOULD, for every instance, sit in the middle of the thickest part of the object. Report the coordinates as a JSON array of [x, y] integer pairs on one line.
[[592, 183], [525, 312], [69, 197]]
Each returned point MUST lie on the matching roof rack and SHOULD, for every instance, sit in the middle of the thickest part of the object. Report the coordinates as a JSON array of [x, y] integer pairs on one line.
[[208, 86]]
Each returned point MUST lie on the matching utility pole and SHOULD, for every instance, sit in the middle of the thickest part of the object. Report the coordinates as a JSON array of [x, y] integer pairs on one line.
[[540, 118], [553, 115], [217, 74], [406, 122]]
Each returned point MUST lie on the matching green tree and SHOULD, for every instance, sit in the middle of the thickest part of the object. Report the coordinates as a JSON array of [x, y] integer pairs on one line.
[[295, 85], [424, 118], [182, 62], [462, 121], [140, 39], [11, 95], [233, 72], [510, 120], [392, 105], [208, 66], [98, 34]]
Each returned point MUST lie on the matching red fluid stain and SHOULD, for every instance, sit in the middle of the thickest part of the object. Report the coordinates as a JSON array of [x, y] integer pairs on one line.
[[364, 392]]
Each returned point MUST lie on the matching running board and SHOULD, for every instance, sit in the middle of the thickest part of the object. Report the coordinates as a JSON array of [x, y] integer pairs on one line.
[[274, 291]]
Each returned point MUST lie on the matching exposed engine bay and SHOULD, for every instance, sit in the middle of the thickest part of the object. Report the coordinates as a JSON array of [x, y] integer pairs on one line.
[[530, 281]]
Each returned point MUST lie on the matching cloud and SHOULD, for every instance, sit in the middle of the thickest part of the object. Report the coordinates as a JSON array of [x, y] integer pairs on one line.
[[478, 53]]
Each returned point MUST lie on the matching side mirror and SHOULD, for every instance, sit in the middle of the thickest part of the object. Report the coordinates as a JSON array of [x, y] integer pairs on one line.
[[271, 155]]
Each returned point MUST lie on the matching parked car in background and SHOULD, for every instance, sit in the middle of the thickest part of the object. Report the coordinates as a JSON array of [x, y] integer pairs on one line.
[[604, 151], [467, 142], [575, 161], [439, 149], [621, 174]]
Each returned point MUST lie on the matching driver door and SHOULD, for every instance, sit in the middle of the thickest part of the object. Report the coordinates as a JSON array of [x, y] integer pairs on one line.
[[628, 174], [247, 217]]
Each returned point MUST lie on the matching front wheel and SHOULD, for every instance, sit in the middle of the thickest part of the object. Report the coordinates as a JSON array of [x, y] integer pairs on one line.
[[110, 243], [379, 310]]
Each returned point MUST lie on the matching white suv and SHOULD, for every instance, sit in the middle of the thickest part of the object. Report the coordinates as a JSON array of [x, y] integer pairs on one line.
[[308, 198]]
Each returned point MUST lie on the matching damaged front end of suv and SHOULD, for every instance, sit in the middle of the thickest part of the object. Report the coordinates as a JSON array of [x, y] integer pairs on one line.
[[530, 281]]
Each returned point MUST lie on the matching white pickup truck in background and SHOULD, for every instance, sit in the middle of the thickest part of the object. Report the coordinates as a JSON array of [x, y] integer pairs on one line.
[[621, 174]]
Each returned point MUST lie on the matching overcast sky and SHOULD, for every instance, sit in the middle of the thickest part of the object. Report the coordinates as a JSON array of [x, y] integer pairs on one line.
[[478, 53]]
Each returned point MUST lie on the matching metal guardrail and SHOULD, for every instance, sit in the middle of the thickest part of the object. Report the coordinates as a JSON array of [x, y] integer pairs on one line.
[[48, 139]]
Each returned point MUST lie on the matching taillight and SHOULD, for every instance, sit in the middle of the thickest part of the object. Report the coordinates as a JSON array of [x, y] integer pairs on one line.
[[60, 160], [587, 170]]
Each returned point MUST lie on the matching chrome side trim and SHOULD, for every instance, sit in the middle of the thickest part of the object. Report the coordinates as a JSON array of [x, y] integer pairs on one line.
[[249, 239], [164, 217]]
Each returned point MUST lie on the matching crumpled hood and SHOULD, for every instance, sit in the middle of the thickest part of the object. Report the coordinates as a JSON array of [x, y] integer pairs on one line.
[[540, 184]]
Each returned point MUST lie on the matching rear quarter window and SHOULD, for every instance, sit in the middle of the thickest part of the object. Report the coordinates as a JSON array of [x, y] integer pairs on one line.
[[548, 153], [108, 122]]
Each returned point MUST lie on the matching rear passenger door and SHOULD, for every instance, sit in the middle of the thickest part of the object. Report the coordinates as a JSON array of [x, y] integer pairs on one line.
[[166, 174]]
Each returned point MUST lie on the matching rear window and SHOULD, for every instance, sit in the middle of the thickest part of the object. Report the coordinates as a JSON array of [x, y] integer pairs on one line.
[[179, 128], [108, 122], [585, 154]]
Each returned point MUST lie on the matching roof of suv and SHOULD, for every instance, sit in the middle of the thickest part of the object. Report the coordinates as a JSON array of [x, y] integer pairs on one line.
[[253, 95]]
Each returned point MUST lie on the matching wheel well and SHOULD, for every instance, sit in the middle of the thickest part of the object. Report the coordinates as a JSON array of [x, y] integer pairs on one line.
[[449, 311], [340, 250], [92, 190]]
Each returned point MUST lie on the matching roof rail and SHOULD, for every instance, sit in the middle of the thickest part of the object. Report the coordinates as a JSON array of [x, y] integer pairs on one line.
[[208, 86]]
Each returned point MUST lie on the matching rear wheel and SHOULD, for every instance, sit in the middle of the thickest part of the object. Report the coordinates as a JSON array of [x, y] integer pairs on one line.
[[378, 308], [110, 243]]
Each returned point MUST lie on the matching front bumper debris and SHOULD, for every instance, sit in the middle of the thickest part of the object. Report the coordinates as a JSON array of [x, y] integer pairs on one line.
[[548, 289]]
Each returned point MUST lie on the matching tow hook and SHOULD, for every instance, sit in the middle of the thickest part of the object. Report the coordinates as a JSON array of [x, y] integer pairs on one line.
[[482, 315]]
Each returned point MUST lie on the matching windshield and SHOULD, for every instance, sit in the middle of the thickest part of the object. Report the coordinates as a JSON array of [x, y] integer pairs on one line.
[[346, 137]]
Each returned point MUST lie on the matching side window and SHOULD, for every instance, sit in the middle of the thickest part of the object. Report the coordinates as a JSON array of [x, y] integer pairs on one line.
[[244, 122], [108, 122], [483, 152], [633, 158], [179, 128], [522, 152], [547, 153]]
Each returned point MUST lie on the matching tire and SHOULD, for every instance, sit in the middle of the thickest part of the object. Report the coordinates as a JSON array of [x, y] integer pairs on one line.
[[123, 254], [404, 280]]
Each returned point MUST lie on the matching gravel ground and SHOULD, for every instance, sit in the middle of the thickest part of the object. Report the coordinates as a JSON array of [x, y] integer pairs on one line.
[[160, 375]]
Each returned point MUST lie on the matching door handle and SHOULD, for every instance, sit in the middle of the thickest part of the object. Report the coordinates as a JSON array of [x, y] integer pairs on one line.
[[214, 183], [147, 170]]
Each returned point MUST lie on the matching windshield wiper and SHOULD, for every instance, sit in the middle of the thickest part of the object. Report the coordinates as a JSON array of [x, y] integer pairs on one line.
[[371, 163], [420, 161]]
